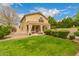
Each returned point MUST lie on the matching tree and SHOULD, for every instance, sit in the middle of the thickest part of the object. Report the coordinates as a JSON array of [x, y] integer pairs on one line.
[[8, 15], [77, 14], [76, 19], [59, 24], [52, 21], [76, 22], [65, 23], [4, 30]]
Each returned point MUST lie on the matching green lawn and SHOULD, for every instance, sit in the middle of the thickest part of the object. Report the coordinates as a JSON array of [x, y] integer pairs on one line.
[[38, 45]]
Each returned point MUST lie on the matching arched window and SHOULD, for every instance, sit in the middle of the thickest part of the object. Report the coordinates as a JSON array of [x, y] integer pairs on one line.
[[41, 19]]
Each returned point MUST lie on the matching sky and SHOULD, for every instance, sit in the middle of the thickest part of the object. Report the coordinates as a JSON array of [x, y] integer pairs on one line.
[[56, 10]]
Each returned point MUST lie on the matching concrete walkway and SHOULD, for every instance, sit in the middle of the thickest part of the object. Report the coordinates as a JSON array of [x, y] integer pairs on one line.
[[14, 36]]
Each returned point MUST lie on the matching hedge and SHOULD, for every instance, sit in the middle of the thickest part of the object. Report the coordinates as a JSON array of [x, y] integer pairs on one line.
[[4, 30], [76, 33], [60, 34]]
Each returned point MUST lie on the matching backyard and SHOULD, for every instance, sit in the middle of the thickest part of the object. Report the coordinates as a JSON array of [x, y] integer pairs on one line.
[[42, 45]]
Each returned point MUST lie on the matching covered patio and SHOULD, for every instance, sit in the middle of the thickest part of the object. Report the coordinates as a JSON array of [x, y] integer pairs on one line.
[[36, 27]]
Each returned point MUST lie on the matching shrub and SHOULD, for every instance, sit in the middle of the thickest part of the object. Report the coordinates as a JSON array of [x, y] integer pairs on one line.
[[47, 32], [71, 37], [76, 33], [60, 34], [4, 30]]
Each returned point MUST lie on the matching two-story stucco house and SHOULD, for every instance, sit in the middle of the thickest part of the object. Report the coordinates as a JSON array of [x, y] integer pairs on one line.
[[34, 23]]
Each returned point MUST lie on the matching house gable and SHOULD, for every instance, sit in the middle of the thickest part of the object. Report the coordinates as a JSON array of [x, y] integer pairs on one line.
[[34, 17]]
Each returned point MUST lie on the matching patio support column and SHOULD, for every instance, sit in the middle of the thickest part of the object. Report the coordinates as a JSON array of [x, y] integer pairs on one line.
[[26, 28], [34, 28], [41, 28], [30, 28]]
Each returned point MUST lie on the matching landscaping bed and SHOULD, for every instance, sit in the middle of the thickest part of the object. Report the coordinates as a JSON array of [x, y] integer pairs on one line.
[[57, 33]]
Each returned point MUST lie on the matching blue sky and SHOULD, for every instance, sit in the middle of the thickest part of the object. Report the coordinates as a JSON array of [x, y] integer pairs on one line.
[[56, 10]]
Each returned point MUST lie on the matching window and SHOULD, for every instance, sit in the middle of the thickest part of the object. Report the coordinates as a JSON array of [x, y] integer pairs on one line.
[[41, 19]]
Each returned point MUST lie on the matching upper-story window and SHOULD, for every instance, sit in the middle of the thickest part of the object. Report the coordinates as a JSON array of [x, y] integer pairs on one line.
[[41, 19]]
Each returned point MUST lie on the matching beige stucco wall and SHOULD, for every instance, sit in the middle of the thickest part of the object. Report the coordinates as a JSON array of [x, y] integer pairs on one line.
[[35, 18], [30, 18], [22, 25]]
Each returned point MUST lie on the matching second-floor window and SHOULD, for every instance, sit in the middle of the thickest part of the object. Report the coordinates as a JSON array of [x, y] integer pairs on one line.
[[41, 19]]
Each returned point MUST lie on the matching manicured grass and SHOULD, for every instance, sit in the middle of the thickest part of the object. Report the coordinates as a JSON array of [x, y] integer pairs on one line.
[[38, 45]]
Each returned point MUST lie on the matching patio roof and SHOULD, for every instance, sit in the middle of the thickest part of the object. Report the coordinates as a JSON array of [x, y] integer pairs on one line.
[[37, 23]]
